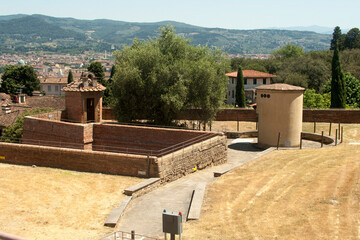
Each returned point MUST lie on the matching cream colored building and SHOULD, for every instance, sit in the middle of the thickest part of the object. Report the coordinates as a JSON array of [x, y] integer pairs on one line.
[[252, 79], [53, 86], [279, 109]]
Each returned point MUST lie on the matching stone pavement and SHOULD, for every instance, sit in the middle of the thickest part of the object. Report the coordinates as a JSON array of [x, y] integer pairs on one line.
[[144, 214]]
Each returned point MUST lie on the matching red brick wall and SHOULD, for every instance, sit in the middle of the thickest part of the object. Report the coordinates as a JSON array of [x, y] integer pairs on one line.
[[309, 115], [120, 138], [107, 114], [74, 106], [55, 133], [331, 115], [56, 115], [73, 159]]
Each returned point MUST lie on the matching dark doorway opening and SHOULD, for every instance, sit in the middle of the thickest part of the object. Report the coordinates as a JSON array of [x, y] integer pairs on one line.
[[90, 109]]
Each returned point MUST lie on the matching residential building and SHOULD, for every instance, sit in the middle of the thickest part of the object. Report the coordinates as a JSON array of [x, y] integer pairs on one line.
[[53, 86], [252, 79]]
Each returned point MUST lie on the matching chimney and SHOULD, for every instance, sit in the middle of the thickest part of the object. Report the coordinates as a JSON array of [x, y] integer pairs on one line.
[[94, 83], [6, 109], [85, 82]]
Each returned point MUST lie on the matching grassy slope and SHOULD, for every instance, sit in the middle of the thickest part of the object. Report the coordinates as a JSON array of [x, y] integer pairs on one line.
[[295, 194], [45, 203]]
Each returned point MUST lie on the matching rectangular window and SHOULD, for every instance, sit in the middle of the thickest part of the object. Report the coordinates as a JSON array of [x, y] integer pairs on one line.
[[232, 80], [255, 81], [56, 88], [264, 81], [229, 93], [49, 88], [245, 81], [232, 93]]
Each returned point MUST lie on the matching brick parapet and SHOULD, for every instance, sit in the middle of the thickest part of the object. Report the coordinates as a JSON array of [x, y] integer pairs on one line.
[[80, 160], [42, 131]]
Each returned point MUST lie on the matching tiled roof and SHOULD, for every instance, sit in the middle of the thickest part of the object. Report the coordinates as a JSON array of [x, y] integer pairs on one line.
[[79, 86], [55, 102], [252, 74], [10, 118], [280, 87], [54, 80], [5, 99]]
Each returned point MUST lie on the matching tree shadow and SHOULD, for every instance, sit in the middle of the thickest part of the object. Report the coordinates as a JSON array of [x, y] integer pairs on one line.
[[249, 147]]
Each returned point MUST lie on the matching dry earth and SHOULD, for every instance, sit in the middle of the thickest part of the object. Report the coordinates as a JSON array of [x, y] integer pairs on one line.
[[44, 203], [291, 194]]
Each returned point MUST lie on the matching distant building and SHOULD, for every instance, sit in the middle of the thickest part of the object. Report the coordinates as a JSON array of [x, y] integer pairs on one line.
[[252, 79], [53, 86]]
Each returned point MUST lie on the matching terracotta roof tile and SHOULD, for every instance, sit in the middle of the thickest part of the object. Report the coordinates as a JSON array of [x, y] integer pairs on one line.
[[252, 74], [54, 80], [78, 86]]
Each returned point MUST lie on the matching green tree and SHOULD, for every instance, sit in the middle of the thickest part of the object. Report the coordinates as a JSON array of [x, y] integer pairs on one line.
[[352, 89], [337, 82], [97, 69], [14, 132], [288, 51], [19, 76], [352, 39], [316, 100], [70, 77], [240, 90], [338, 38], [159, 78]]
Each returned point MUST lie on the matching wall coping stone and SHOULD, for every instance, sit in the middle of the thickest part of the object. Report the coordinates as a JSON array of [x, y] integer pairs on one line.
[[133, 189]]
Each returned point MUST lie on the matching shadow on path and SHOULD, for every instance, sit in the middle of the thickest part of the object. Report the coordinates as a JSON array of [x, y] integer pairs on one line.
[[249, 147]]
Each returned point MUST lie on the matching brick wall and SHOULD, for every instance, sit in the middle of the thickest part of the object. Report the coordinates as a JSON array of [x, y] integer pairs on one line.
[[332, 115], [74, 106], [170, 167], [80, 160], [122, 138], [107, 114], [56, 115], [309, 115], [41, 131]]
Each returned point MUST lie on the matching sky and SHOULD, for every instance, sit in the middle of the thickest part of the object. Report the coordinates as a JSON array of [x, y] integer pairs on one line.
[[230, 14]]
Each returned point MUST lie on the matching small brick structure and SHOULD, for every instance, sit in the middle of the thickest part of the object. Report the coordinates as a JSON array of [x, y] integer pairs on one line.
[[83, 100]]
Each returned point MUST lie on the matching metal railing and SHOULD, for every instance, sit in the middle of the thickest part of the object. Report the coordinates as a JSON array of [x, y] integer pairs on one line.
[[120, 235], [116, 149]]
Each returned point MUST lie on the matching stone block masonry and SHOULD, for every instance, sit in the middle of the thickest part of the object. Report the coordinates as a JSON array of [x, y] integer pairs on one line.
[[200, 155]]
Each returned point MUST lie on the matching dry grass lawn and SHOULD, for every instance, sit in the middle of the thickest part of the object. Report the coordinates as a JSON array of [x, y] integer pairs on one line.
[[291, 194], [44, 203]]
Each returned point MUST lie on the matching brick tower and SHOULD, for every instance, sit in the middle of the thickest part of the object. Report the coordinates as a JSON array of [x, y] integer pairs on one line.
[[83, 100]]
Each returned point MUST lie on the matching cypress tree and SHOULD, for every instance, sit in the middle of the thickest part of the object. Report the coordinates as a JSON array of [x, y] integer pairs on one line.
[[337, 82], [337, 37], [240, 91], [70, 77]]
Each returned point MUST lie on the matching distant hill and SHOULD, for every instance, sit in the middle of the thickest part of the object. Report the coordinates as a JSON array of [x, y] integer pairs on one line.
[[39, 32]]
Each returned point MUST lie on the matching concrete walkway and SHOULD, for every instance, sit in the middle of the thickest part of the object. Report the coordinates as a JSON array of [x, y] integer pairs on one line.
[[144, 214]]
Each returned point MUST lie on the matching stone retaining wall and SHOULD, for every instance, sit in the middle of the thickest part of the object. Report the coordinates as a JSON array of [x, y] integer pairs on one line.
[[201, 155]]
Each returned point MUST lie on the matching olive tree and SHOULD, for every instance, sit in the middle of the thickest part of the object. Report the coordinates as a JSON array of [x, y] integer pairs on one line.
[[159, 78]]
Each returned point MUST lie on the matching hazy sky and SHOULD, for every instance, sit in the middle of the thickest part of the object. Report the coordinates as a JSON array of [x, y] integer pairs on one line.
[[240, 14]]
